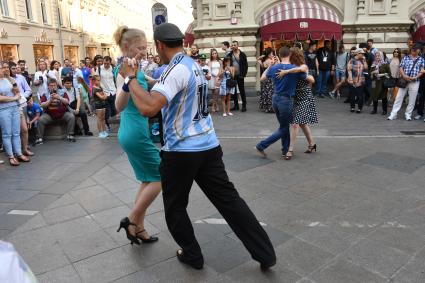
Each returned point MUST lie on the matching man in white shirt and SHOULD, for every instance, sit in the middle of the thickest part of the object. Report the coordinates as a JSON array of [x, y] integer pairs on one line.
[[107, 82]]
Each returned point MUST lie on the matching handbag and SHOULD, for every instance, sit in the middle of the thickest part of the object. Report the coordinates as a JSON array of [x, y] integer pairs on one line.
[[231, 83], [402, 83], [390, 82]]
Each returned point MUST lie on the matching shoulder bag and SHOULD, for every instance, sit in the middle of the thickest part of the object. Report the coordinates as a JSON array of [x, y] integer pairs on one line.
[[401, 82]]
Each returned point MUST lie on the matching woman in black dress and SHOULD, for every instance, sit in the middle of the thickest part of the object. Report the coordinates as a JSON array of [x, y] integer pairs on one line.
[[304, 112], [267, 89]]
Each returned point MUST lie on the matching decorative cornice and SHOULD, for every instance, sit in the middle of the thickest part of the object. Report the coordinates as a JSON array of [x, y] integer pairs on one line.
[[350, 28]]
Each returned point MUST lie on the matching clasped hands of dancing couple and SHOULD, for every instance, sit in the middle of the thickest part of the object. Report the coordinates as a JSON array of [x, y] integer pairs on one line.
[[191, 150]]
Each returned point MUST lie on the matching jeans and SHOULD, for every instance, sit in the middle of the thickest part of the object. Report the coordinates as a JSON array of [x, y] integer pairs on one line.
[[412, 88], [322, 82], [356, 96], [10, 123], [282, 106], [178, 171], [241, 86]]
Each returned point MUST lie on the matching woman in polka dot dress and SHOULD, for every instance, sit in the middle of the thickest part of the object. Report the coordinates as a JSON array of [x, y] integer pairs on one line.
[[304, 112]]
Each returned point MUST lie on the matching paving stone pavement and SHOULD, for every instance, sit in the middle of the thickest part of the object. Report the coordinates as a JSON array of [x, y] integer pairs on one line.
[[351, 212]]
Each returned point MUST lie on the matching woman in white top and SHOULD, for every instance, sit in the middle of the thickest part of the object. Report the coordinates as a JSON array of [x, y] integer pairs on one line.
[[40, 78], [54, 71], [395, 72], [214, 83]]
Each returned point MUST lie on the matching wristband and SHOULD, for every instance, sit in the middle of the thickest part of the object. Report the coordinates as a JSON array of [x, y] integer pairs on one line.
[[125, 88]]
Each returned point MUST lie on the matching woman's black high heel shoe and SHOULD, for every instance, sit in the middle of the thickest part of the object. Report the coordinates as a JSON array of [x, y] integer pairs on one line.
[[311, 148], [149, 240], [125, 223]]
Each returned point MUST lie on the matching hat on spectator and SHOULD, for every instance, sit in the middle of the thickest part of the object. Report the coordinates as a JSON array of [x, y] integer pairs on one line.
[[417, 46], [359, 51], [203, 56], [167, 32]]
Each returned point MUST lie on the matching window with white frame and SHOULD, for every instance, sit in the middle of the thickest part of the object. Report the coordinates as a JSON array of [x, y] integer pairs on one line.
[[29, 9], [43, 11], [4, 8]]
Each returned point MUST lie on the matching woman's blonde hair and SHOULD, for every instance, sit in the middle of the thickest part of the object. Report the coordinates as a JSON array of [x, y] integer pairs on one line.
[[297, 56], [124, 34]]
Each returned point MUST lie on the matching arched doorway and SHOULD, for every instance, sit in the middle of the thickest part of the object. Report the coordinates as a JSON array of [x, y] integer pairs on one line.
[[299, 20]]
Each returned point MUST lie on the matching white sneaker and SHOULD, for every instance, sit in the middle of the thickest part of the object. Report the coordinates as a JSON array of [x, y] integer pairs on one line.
[[224, 115], [102, 135], [418, 117], [1, 161], [230, 114], [390, 118], [408, 118], [106, 133]]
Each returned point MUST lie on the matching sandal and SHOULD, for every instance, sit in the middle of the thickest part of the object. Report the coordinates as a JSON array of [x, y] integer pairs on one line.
[[28, 153], [288, 157], [23, 158], [149, 240], [13, 161]]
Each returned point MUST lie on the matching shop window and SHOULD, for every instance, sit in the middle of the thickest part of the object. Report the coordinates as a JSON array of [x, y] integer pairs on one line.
[[4, 8], [91, 52], [42, 52], [71, 53], [8, 52], [105, 51], [29, 9]]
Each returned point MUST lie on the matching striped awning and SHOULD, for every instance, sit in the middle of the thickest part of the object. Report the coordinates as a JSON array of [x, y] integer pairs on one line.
[[419, 19], [300, 19]]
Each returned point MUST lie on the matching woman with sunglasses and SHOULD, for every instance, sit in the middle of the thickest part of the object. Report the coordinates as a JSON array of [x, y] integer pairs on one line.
[[395, 73]]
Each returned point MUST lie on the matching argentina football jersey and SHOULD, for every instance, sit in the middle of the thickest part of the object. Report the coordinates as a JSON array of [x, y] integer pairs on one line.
[[187, 123]]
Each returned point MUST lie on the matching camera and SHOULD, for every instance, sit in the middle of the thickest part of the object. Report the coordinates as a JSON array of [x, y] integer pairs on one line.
[[40, 78]]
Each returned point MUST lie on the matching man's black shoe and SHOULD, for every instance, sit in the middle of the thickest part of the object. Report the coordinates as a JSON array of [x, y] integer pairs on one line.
[[195, 264], [243, 109], [347, 101], [88, 133], [266, 266]]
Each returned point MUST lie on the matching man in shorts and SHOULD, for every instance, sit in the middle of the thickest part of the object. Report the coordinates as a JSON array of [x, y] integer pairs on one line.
[[192, 151]]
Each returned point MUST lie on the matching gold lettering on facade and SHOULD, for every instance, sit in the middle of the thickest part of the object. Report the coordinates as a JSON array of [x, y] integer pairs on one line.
[[43, 37]]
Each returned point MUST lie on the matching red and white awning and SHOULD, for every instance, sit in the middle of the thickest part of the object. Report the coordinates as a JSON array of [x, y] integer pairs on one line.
[[300, 19], [419, 19], [189, 36]]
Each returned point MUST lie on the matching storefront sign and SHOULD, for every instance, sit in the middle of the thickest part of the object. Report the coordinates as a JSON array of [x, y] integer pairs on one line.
[[303, 24], [159, 14], [43, 37]]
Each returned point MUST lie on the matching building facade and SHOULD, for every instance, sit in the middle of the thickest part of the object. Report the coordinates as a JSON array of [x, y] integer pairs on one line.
[[259, 23], [74, 29]]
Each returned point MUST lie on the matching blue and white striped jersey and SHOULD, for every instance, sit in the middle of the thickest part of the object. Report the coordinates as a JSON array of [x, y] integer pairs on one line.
[[188, 126]]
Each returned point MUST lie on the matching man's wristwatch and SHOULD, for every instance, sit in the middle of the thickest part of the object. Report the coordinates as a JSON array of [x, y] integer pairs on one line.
[[127, 81]]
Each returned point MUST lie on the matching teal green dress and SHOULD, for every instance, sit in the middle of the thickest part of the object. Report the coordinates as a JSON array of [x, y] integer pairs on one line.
[[134, 138]]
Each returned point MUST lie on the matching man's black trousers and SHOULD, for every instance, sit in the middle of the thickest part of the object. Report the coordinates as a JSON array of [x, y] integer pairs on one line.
[[206, 168]]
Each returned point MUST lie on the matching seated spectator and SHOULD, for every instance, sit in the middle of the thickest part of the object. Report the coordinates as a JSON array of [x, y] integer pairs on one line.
[[76, 105], [55, 106], [34, 113]]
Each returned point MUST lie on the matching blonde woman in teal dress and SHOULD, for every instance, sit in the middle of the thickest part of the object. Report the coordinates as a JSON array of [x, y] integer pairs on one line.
[[134, 138]]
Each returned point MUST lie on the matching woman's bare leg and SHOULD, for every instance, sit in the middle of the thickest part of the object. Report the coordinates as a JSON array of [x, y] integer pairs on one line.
[[223, 103], [24, 135], [307, 132], [294, 134], [146, 195]]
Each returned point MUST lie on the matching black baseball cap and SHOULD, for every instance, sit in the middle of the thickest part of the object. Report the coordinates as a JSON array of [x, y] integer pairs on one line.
[[167, 32], [416, 46]]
